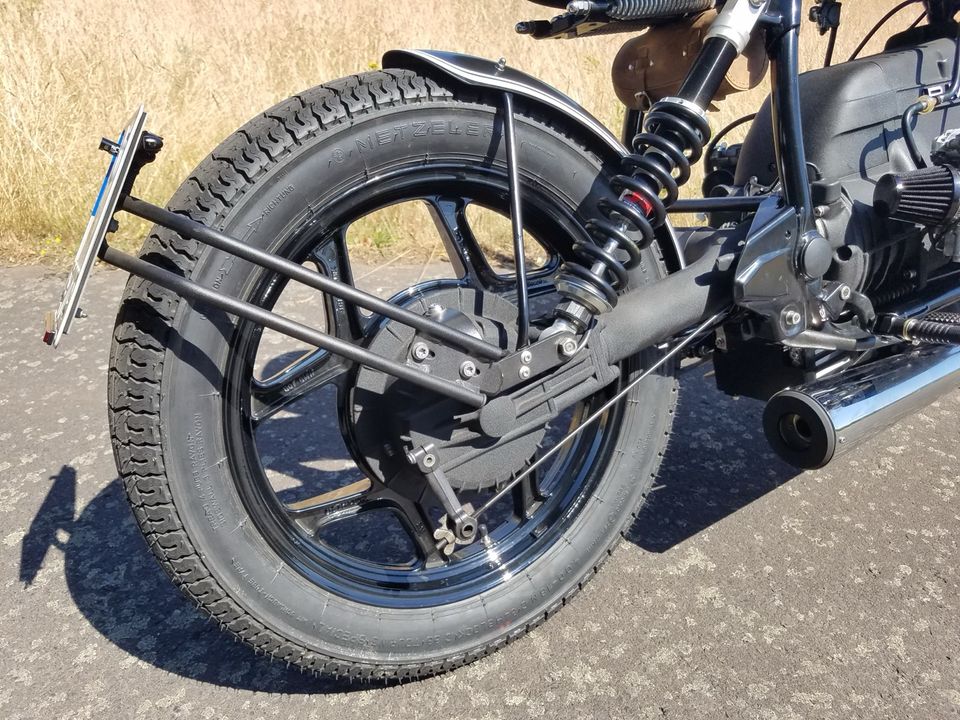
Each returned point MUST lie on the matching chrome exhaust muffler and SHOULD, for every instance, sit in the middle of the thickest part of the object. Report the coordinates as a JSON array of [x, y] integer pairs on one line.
[[810, 425]]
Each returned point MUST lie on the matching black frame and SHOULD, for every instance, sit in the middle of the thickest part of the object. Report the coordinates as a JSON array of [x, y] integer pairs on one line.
[[782, 22], [783, 46]]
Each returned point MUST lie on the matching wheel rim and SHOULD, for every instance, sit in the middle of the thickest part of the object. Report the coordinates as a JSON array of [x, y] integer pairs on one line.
[[525, 528]]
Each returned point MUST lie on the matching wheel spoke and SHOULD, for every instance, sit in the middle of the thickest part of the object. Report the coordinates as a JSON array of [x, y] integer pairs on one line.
[[417, 523], [320, 508], [333, 260], [450, 216], [316, 368], [310, 372], [527, 496], [316, 513], [543, 296]]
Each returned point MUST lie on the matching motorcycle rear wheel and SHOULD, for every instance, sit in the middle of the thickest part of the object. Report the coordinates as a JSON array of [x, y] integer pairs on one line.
[[186, 405]]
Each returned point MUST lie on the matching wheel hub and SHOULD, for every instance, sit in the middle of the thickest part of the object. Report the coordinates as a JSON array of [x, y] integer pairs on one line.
[[390, 417]]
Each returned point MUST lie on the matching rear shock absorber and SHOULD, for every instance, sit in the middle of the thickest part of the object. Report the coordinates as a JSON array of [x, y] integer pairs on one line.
[[674, 134]]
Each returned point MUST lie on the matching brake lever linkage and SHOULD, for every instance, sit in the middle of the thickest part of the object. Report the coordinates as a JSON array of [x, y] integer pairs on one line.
[[460, 524]]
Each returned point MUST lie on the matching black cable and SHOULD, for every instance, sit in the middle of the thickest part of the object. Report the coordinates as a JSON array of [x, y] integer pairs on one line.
[[831, 44], [923, 105], [927, 103], [727, 129], [876, 28], [906, 125], [918, 20]]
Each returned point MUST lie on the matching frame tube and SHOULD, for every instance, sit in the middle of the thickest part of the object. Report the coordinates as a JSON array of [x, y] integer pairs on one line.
[[516, 221], [197, 231], [192, 291], [787, 122], [746, 203]]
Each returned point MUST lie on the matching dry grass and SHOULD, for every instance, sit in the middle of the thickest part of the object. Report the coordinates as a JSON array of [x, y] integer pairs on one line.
[[72, 71]]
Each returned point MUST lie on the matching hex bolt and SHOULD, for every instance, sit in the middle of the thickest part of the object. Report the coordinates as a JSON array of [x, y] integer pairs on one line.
[[468, 369], [420, 352], [109, 146], [429, 460], [568, 348], [845, 292], [525, 357], [524, 372], [792, 318]]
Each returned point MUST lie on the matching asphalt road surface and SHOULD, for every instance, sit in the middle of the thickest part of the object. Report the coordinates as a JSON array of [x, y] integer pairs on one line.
[[746, 590]]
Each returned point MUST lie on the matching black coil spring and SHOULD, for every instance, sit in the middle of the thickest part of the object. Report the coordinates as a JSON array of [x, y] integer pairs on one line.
[[672, 141]]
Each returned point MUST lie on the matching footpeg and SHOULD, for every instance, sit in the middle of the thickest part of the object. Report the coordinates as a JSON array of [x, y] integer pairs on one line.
[[947, 318], [928, 330]]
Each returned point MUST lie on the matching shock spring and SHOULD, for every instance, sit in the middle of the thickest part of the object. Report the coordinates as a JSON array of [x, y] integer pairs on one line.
[[674, 134]]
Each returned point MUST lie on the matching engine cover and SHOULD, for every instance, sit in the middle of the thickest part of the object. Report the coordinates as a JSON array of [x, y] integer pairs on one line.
[[851, 118], [851, 127]]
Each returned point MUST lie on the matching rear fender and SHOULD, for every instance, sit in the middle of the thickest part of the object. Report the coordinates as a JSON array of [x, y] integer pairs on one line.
[[480, 72]]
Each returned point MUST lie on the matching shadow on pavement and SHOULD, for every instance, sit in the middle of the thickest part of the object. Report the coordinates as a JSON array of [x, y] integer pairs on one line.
[[124, 594], [717, 463], [55, 513]]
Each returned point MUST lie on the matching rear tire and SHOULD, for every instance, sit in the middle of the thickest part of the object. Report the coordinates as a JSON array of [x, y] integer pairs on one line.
[[166, 385]]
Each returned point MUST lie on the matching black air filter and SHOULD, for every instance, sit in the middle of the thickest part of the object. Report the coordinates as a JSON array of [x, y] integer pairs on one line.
[[930, 196]]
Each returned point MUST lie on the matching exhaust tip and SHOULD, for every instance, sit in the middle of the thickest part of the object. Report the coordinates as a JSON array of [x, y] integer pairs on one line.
[[799, 430]]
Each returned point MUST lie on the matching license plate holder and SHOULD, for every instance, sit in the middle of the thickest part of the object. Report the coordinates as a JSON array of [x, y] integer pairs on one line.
[[58, 322]]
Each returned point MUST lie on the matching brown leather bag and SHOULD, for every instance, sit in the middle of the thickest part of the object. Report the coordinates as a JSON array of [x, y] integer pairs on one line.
[[652, 66]]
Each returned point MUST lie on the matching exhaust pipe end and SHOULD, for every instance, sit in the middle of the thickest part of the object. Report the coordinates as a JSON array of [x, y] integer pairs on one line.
[[809, 425], [799, 430]]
